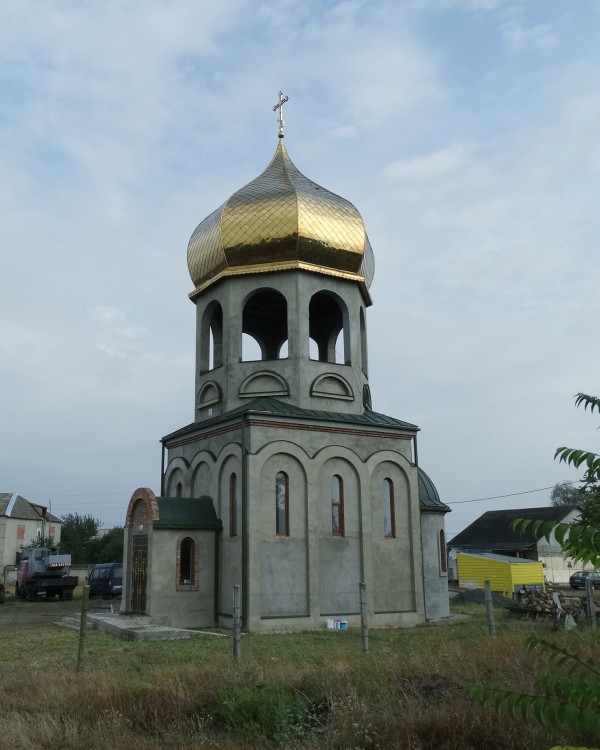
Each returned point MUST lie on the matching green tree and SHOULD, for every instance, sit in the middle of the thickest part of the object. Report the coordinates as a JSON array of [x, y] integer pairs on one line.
[[590, 507], [75, 536], [565, 493], [108, 547], [42, 541], [569, 691], [589, 503]]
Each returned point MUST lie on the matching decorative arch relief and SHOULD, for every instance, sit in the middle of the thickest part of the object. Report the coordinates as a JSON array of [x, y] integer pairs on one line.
[[264, 383], [332, 386], [209, 394]]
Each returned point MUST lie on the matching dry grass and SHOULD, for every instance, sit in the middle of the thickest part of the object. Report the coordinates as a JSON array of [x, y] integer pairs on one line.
[[314, 690]]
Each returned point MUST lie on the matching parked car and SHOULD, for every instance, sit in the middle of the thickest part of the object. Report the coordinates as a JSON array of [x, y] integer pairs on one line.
[[2, 593], [577, 580], [106, 579]]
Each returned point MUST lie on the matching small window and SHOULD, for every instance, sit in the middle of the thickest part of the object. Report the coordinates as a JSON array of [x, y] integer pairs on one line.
[[443, 557], [187, 551], [233, 505], [389, 512], [21, 531], [282, 504], [178, 489], [337, 506]]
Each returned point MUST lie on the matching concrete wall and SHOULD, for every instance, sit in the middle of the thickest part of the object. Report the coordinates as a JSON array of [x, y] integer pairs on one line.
[[393, 558], [282, 584], [297, 288], [435, 581], [174, 604], [230, 548], [335, 565], [297, 581]]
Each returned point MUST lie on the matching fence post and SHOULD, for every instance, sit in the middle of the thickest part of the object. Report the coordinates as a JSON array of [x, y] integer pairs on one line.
[[237, 624], [82, 627], [489, 607], [591, 605], [364, 625]]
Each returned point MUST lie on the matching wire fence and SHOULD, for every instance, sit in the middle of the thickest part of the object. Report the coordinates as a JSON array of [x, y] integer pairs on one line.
[[351, 610]]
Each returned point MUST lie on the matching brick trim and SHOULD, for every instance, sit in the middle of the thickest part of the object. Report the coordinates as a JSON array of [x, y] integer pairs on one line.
[[321, 428], [150, 512], [203, 436], [289, 426]]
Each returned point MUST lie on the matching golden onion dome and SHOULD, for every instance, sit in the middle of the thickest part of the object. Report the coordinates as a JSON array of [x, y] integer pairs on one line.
[[281, 221]]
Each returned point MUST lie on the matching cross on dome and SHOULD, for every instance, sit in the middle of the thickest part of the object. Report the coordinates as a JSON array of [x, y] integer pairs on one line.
[[283, 98]]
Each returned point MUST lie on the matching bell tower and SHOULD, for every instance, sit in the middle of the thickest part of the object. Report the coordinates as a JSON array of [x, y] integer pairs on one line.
[[281, 273]]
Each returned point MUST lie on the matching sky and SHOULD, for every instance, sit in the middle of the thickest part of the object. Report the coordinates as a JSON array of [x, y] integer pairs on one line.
[[464, 131]]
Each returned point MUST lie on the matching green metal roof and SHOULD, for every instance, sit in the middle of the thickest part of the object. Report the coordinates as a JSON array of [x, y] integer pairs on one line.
[[273, 407], [429, 498], [187, 513]]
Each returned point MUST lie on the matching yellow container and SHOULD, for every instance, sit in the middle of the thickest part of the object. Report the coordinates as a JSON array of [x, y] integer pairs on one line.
[[506, 574]]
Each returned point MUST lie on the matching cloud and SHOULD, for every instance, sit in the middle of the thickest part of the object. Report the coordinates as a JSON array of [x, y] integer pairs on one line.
[[519, 37], [434, 165], [463, 130]]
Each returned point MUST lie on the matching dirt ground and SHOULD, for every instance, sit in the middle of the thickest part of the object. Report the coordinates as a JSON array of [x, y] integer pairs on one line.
[[16, 611]]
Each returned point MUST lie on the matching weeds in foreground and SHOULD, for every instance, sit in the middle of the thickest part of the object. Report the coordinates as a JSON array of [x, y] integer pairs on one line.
[[314, 690]]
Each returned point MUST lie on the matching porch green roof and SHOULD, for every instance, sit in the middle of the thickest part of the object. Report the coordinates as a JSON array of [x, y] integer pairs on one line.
[[187, 513], [429, 498]]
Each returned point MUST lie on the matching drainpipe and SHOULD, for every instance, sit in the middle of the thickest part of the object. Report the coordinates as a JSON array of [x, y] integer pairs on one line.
[[162, 469], [216, 598], [415, 451], [245, 527]]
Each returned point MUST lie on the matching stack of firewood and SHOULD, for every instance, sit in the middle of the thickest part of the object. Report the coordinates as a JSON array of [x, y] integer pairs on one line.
[[542, 601]]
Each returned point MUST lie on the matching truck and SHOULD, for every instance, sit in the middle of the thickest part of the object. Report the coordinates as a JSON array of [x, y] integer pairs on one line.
[[41, 571]]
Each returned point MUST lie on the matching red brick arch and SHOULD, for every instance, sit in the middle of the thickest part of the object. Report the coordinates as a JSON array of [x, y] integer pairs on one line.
[[142, 508]]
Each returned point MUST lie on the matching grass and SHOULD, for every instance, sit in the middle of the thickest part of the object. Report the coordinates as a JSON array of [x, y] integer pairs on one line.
[[314, 690]]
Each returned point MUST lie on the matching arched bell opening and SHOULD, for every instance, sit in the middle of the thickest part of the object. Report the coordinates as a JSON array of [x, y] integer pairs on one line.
[[211, 338], [329, 330], [264, 326], [364, 360]]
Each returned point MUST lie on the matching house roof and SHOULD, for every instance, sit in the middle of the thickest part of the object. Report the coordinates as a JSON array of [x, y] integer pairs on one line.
[[273, 407], [186, 513], [499, 558], [13, 505], [493, 530]]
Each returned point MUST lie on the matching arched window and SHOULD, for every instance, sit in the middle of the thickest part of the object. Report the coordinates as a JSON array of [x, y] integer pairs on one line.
[[264, 320], [187, 555], [328, 329], [211, 338], [282, 504], [389, 511], [364, 360], [233, 505], [443, 557], [337, 506], [178, 489]]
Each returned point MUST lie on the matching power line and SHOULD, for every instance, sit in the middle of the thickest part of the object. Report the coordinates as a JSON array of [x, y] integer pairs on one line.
[[82, 494], [56, 496], [511, 494]]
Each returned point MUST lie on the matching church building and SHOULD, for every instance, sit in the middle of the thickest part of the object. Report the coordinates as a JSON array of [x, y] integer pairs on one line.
[[286, 482]]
